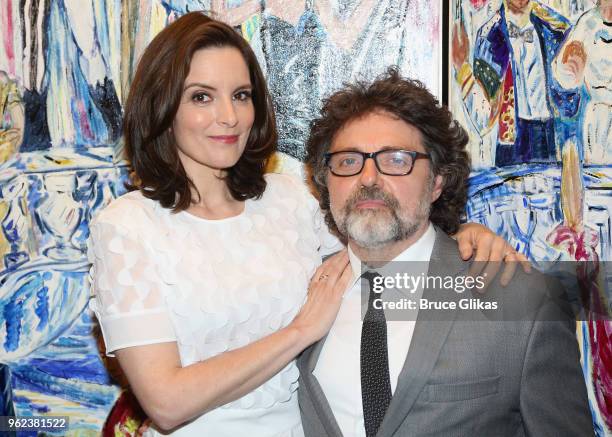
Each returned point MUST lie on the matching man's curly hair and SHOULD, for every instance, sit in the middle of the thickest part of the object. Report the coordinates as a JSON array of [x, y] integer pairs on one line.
[[409, 100]]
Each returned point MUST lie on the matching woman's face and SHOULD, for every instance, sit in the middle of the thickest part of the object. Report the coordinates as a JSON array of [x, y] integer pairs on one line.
[[216, 112]]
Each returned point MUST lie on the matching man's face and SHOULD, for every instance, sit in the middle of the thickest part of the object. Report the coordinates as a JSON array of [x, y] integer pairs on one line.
[[518, 5], [373, 209]]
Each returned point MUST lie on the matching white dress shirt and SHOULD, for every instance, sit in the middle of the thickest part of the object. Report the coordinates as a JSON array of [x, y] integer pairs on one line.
[[338, 367], [529, 74]]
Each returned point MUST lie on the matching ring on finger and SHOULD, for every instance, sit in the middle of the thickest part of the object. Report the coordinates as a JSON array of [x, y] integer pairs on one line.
[[323, 277]]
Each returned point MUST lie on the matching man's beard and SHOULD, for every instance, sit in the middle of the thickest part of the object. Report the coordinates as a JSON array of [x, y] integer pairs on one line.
[[374, 228]]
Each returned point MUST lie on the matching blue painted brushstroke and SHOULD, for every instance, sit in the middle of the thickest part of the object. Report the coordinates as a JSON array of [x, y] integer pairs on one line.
[[35, 408], [62, 61], [42, 308], [586, 353], [82, 370], [13, 314], [10, 230], [69, 368], [90, 395]]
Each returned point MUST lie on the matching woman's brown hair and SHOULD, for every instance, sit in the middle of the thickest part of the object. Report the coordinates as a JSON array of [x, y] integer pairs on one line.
[[153, 102]]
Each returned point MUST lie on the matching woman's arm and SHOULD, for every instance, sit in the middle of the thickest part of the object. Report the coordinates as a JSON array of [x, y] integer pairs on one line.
[[171, 394]]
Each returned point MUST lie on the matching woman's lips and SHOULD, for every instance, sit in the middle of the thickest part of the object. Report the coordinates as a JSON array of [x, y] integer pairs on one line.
[[226, 139]]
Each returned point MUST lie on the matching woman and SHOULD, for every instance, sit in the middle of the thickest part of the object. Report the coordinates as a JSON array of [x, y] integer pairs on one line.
[[200, 275]]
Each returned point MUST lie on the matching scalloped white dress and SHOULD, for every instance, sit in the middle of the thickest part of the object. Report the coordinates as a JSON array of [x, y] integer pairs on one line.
[[211, 286]]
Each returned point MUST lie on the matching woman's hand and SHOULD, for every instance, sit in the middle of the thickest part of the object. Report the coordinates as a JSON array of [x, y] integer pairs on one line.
[[325, 292], [490, 250]]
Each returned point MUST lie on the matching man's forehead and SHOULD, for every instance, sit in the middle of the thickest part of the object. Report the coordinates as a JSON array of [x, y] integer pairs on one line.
[[377, 131]]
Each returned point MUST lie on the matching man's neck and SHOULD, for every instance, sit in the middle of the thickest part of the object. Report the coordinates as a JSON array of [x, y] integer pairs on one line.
[[518, 16], [378, 256]]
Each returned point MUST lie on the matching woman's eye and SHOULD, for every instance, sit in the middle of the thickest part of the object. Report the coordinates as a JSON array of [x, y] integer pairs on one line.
[[242, 95], [200, 97]]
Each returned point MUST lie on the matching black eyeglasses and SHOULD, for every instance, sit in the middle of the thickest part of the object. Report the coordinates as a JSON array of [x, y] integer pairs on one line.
[[389, 162]]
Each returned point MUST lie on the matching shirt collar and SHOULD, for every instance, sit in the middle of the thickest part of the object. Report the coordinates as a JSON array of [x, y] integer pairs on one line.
[[419, 251]]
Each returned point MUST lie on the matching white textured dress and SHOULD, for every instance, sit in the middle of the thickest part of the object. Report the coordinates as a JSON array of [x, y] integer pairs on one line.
[[211, 286]]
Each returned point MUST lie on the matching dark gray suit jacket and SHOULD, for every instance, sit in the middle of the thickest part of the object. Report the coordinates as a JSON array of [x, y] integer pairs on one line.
[[469, 377]]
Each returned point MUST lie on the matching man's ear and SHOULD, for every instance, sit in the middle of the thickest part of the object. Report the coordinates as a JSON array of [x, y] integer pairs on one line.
[[438, 185]]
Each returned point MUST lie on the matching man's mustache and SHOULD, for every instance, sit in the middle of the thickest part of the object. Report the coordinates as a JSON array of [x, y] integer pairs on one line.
[[372, 193]]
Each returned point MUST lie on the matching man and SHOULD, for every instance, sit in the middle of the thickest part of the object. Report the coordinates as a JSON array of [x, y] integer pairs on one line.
[[510, 84], [390, 168]]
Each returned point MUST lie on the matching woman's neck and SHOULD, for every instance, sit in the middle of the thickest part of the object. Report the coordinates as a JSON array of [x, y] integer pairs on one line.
[[211, 197]]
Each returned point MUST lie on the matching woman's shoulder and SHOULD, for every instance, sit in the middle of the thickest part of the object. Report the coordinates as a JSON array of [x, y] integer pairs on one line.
[[280, 178], [128, 210], [288, 184], [292, 191]]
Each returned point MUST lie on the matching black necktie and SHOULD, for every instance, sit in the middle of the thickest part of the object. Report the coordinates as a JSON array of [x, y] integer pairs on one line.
[[375, 380]]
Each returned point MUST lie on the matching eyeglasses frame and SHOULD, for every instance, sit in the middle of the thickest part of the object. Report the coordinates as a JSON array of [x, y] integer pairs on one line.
[[366, 155]]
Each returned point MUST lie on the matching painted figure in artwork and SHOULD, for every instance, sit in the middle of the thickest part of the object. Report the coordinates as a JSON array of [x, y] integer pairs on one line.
[[76, 62], [510, 85], [586, 60], [310, 49], [306, 47], [59, 58], [578, 242], [12, 118]]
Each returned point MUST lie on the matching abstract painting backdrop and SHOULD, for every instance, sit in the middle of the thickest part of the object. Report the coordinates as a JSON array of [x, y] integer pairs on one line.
[[65, 69], [532, 83]]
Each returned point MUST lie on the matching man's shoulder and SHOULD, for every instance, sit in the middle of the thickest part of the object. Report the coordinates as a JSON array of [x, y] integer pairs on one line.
[[550, 18], [491, 24], [531, 297], [446, 249], [525, 294]]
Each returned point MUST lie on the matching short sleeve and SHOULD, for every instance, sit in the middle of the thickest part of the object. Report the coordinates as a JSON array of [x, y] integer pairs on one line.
[[126, 289], [561, 73]]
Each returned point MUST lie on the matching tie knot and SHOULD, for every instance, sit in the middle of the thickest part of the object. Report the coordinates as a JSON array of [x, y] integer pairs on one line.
[[374, 289], [370, 275]]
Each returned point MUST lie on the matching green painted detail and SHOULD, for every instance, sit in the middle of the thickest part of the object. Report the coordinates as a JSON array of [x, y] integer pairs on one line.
[[250, 26], [487, 76]]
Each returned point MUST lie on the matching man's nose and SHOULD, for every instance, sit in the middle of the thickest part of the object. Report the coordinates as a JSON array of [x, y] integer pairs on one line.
[[369, 175]]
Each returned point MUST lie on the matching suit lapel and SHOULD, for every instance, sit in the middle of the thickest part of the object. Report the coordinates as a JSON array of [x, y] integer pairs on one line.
[[306, 364], [429, 335], [311, 355]]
